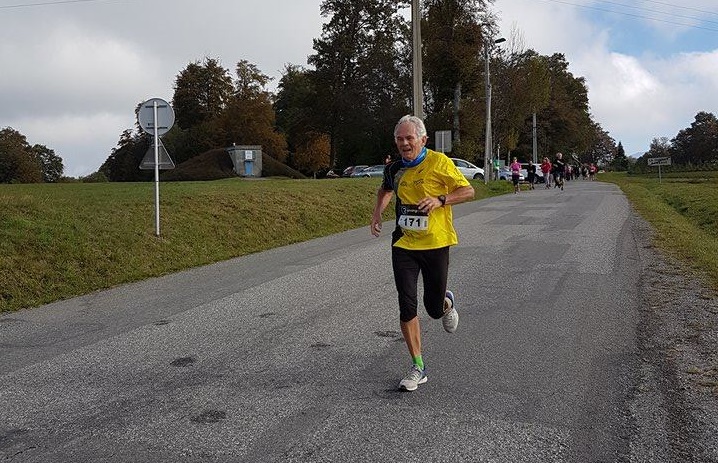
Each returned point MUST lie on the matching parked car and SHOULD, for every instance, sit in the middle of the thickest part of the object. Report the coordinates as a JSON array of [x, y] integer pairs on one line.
[[469, 170], [351, 169], [505, 174], [326, 173], [373, 171], [539, 173]]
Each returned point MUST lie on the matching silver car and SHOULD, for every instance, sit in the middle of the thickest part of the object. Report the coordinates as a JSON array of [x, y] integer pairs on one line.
[[371, 171]]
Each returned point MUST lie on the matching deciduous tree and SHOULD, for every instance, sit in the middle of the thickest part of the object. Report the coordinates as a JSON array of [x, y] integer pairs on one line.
[[18, 162], [358, 77], [697, 144]]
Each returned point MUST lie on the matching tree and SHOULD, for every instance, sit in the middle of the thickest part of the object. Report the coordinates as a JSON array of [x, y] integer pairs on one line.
[[565, 124], [523, 84], [227, 111], [660, 147], [249, 118], [123, 163], [620, 161], [293, 105], [359, 64], [202, 91], [18, 162], [452, 39], [697, 144], [602, 150], [313, 153], [51, 164]]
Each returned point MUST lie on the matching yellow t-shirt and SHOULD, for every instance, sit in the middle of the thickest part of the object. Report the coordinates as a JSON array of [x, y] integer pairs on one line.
[[435, 175]]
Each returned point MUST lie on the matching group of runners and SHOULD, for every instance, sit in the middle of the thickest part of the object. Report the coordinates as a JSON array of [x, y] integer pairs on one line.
[[554, 172]]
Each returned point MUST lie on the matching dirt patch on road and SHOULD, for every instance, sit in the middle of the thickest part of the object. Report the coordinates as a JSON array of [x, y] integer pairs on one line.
[[675, 405]]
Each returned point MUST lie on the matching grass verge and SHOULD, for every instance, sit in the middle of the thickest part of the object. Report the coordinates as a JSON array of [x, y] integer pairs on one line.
[[63, 240], [683, 208]]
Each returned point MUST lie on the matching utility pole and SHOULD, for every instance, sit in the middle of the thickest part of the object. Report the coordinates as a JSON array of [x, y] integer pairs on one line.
[[534, 138], [416, 60], [488, 157]]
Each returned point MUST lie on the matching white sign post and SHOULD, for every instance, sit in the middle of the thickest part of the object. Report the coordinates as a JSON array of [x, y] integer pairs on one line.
[[664, 161], [156, 117]]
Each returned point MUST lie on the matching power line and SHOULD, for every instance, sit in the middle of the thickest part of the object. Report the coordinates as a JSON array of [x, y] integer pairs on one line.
[[693, 26], [681, 7], [650, 10], [59, 2]]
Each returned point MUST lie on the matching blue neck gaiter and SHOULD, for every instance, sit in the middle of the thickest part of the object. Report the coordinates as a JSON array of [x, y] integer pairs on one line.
[[416, 161]]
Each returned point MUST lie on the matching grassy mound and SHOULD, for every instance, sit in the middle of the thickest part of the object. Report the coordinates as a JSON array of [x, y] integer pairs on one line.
[[216, 165]]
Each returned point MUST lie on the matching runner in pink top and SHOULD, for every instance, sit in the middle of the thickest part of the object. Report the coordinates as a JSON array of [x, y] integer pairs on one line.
[[515, 174]]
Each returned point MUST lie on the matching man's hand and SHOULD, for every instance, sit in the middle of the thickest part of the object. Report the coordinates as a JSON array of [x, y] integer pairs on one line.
[[429, 203], [375, 225]]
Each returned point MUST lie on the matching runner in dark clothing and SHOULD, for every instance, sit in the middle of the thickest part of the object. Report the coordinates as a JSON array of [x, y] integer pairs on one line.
[[531, 174], [558, 168]]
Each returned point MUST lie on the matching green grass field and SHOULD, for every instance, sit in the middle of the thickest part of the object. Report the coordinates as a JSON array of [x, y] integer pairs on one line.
[[63, 240]]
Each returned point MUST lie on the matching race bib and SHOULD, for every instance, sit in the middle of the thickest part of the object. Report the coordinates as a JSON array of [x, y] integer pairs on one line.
[[411, 218]]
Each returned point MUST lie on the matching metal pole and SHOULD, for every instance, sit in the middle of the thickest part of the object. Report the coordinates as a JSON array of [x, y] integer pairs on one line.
[[416, 61], [157, 173], [535, 143], [487, 147]]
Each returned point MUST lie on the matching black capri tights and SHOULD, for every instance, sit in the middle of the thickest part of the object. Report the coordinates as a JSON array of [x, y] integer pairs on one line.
[[433, 264]]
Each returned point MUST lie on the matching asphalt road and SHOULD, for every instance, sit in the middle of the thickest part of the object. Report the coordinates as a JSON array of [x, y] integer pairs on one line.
[[294, 354]]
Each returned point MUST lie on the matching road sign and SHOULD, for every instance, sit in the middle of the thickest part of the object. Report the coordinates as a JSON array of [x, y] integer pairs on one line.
[[165, 116], [165, 162], [156, 117], [666, 161]]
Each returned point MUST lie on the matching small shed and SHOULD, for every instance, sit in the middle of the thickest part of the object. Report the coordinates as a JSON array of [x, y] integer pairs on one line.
[[247, 160]]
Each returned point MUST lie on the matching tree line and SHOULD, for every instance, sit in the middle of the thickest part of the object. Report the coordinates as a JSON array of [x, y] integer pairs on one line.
[[340, 109], [695, 147], [21, 162]]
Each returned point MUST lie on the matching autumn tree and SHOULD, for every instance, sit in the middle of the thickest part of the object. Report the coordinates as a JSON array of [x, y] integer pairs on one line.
[[565, 124], [249, 118], [298, 120], [312, 153]]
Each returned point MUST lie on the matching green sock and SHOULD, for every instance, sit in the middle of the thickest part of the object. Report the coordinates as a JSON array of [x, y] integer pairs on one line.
[[418, 361]]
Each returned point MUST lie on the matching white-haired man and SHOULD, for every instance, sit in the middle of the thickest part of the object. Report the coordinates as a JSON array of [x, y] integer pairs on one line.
[[426, 183]]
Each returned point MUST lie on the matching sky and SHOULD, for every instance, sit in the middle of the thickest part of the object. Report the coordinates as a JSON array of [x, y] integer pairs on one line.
[[73, 71]]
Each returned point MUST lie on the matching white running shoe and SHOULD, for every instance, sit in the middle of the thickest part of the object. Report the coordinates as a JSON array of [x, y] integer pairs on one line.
[[450, 320], [412, 379]]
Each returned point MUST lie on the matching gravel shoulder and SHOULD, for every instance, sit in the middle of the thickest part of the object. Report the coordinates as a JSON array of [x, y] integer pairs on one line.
[[675, 405]]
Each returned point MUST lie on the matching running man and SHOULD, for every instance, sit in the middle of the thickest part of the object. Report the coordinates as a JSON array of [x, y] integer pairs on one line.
[[426, 184], [558, 167]]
